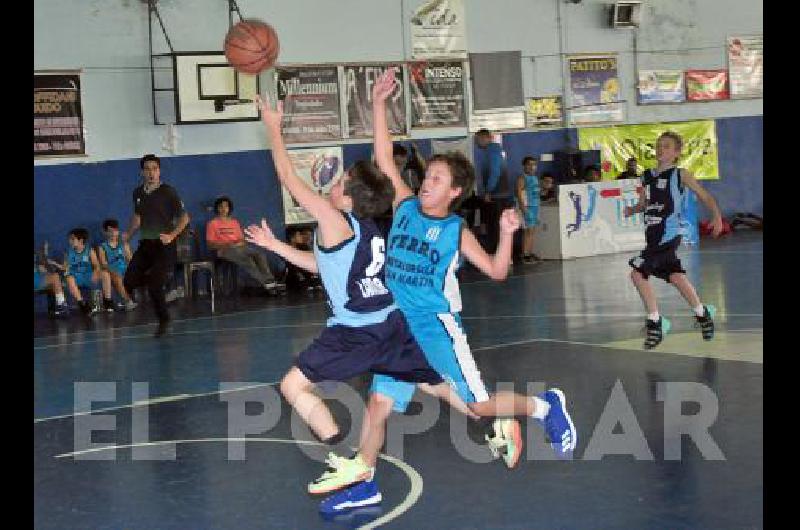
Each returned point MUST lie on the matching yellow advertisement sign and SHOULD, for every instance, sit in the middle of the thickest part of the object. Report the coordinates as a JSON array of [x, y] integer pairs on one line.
[[618, 144]]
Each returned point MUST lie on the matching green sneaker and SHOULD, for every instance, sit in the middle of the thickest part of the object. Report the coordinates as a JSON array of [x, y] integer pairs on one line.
[[507, 441], [341, 472]]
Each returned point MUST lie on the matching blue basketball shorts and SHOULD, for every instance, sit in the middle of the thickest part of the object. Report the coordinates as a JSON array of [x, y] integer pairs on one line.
[[444, 342]]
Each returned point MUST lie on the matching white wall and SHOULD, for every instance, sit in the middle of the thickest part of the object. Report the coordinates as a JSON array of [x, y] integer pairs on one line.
[[108, 40]]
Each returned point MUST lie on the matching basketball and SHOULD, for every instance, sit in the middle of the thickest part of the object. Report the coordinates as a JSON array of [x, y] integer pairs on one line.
[[251, 46]]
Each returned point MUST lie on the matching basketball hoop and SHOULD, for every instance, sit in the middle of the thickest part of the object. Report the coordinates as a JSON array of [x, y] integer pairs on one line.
[[221, 103]]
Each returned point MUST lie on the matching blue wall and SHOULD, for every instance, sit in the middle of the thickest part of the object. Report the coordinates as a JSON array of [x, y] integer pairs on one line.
[[71, 195], [741, 166]]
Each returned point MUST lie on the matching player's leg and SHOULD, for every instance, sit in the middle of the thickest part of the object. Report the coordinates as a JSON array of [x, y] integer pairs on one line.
[[646, 292], [297, 389], [453, 358], [72, 288], [53, 284], [103, 277], [446, 393], [119, 286], [704, 314], [656, 326]]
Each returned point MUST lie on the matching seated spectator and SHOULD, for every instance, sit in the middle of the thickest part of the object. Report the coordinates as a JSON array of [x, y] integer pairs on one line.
[[297, 279], [224, 235], [592, 174], [114, 256], [82, 269], [547, 189], [630, 170], [44, 281]]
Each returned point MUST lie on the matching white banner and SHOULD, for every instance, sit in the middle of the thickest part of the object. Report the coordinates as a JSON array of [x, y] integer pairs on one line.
[[438, 30], [320, 168], [463, 146], [746, 66], [500, 120], [592, 220]]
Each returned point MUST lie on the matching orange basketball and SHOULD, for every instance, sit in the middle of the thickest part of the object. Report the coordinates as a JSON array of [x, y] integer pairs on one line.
[[251, 46]]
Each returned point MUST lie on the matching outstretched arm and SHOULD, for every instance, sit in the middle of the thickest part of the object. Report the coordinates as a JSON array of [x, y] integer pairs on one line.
[[263, 237], [690, 182], [333, 227], [495, 266], [382, 142]]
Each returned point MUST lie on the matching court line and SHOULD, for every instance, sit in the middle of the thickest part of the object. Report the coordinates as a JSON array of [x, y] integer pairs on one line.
[[181, 397], [613, 315], [246, 312], [172, 333], [616, 347], [307, 324], [413, 476], [154, 401], [192, 319], [728, 252]]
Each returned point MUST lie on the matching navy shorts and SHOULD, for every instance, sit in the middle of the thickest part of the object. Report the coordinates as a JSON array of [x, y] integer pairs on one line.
[[389, 348], [660, 261]]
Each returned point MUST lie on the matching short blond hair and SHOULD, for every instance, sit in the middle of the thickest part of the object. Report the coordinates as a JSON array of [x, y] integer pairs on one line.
[[675, 137]]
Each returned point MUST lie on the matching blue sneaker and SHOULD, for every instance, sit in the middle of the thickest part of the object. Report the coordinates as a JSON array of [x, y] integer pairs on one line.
[[558, 424], [362, 494], [355, 518]]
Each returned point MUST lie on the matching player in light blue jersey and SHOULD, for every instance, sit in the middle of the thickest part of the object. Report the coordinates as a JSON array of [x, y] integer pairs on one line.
[[527, 196], [82, 270], [114, 256], [366, 332], [426, 244]]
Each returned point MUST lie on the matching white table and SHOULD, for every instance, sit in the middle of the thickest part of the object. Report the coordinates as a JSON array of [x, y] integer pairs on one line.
[[601, 228]]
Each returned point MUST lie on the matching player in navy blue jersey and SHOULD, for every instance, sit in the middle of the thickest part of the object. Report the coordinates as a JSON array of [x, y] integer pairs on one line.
[[660, 198], [366, 332]]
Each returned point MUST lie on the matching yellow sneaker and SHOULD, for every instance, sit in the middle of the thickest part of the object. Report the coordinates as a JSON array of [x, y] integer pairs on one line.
[[341, 472], [507, 440]]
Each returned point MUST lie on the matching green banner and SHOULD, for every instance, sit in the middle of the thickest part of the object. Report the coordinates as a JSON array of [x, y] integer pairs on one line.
[[617, 144]]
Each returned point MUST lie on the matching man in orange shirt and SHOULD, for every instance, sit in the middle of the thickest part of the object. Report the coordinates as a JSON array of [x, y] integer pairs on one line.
[[225, 236]]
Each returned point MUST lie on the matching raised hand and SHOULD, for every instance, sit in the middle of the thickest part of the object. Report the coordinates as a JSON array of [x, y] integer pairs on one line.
[[384, 86], [260, 235], [510, 221], [270, 116]]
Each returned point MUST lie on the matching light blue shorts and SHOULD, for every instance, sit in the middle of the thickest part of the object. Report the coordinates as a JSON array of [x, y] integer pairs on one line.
[[444, 342]]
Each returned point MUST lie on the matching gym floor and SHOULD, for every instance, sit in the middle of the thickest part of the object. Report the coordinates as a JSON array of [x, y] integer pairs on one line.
[[577, 325]]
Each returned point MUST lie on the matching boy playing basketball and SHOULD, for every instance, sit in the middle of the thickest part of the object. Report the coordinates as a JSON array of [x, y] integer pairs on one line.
[[660, 199], [426, 243], [367, 333]]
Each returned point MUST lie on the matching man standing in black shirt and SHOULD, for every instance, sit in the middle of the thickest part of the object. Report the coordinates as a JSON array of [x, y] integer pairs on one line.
[[155, 207]]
